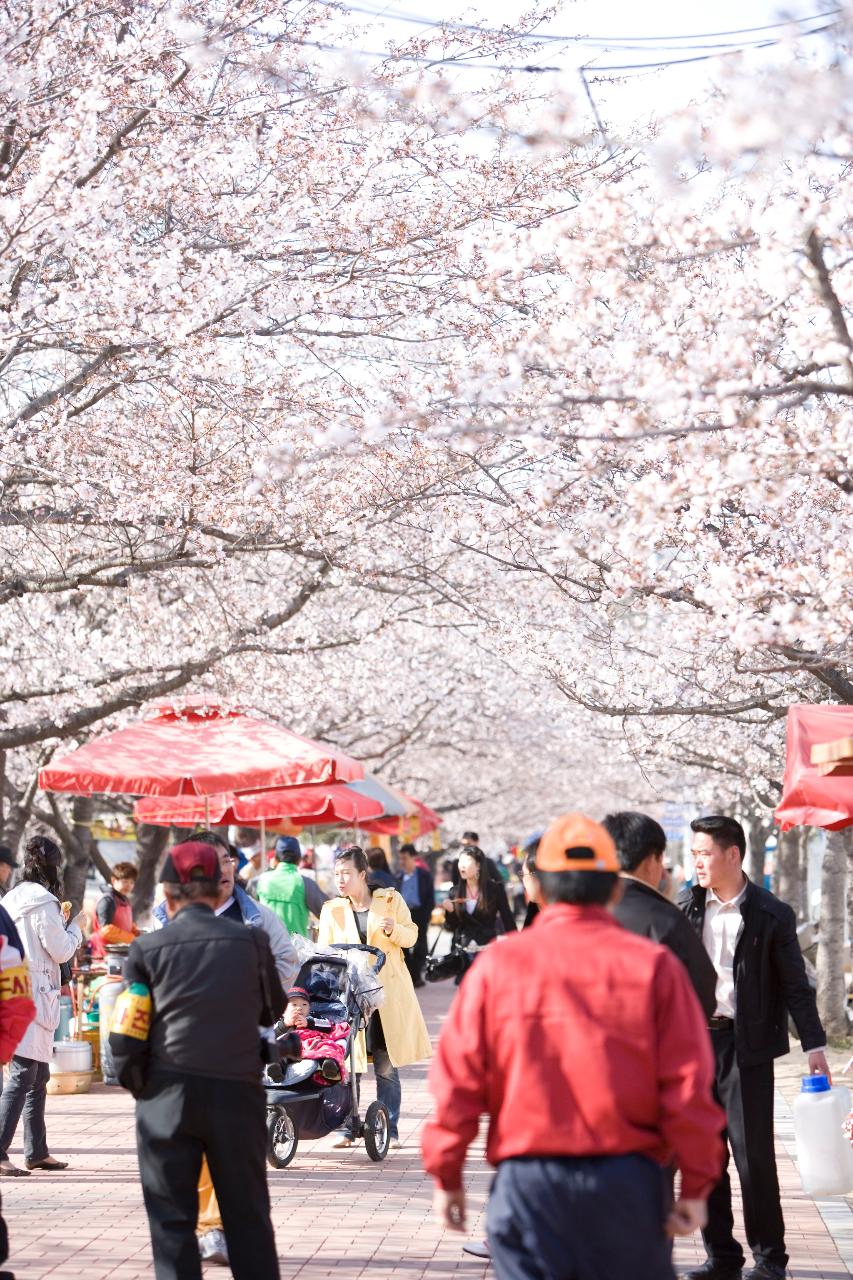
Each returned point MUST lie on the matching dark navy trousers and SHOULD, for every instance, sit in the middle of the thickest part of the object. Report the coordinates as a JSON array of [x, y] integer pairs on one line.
[[580, 1218]]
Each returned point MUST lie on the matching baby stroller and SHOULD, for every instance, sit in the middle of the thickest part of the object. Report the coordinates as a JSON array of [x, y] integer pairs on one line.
[[307, 1109]]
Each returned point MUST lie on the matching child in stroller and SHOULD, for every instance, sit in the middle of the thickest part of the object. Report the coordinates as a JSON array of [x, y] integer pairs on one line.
[[340, 997], [323, 1042]]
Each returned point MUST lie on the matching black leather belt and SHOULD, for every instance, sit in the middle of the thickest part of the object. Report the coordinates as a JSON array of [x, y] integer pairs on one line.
[[720, 1024]]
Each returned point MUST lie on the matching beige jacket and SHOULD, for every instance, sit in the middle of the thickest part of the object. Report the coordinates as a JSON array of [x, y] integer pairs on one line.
[[406, 1035]]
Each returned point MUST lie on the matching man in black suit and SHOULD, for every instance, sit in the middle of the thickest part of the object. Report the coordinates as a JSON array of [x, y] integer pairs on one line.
[[640, 843], [415, 884], [751, 938]]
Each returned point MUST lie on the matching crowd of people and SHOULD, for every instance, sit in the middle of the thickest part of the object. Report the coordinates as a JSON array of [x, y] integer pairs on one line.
[[620, 1043]]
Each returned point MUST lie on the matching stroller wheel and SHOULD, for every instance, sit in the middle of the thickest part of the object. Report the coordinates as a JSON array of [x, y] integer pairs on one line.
[[377, 1131], [282, 1137]]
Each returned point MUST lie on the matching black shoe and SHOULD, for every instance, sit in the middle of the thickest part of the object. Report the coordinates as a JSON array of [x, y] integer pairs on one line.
[[766, 1271], [477, 1249], [712, 1270], [330, 1070]]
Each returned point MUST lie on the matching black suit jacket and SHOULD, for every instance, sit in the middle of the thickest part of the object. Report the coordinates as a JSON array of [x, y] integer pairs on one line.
[[645, 911], [213, 982], [770, 976]]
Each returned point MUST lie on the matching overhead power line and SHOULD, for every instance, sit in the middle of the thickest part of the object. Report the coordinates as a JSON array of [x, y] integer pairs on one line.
[[608, 42], [474, 62]]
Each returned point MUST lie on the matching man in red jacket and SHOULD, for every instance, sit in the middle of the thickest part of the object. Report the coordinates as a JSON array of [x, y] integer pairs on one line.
[[587, 1048]]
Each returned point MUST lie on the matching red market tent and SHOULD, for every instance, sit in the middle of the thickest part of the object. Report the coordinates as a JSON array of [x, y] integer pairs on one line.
[[316, 806], [196, 747], [810, 798]]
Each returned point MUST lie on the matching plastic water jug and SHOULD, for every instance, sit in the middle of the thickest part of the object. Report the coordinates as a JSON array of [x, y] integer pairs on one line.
[[66, 1012], [824, 1153]]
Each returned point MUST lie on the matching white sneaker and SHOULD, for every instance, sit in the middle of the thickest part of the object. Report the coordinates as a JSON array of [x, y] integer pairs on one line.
[[212, 1247]]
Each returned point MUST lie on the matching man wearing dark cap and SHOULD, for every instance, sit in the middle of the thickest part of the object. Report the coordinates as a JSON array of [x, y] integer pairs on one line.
[[586, 1047], [8, 866], [186, 1043]]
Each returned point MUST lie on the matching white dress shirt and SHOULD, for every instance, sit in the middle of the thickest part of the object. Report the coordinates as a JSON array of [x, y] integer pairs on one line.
[[720, 932]]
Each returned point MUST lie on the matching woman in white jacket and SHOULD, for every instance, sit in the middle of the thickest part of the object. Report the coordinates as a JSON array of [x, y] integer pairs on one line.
[[48, 942]]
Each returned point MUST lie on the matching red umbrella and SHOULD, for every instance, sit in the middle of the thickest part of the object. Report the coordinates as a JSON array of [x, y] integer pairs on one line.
[[195, 747], [316, 806], [420, 820], [809, 798]]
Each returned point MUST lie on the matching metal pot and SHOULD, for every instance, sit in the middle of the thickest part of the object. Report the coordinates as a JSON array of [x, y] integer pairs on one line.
[[116, 956], [72, 1055], [107, 997]]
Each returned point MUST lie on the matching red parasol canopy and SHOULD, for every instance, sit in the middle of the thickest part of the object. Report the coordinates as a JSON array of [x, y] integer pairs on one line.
[[810, 799], [316, 806], [192, 747], [417, 822]]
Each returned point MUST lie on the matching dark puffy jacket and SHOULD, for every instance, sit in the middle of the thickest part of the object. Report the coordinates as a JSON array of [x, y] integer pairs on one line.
[[770, 976], [645, 911], [205, 977]]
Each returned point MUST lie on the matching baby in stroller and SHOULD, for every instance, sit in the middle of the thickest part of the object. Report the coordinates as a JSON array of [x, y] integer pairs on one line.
[[323, 1042]]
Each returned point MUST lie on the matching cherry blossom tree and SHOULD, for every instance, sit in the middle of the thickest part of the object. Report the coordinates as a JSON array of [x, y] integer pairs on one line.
[[512, 456]]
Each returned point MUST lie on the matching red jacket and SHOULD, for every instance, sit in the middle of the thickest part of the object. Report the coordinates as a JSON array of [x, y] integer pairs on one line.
[[16, 997], [577, 1038]]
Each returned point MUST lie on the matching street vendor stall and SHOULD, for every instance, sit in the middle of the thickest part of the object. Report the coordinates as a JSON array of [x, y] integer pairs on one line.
[[198, 748], [817, 790]]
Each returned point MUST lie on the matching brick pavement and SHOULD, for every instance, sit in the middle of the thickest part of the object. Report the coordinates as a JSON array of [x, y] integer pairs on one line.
[[337, 1215]]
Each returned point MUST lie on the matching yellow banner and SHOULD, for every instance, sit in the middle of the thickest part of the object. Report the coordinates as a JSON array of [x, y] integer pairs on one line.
[[132, 1013], [15, 982]]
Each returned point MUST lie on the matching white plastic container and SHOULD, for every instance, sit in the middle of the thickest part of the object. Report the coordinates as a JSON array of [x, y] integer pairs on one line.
[[72, 1055], [824, 1153]]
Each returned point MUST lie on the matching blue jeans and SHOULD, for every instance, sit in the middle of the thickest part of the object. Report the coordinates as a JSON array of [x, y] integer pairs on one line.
[[579, 1218], [25, 1092], [387, 1090]]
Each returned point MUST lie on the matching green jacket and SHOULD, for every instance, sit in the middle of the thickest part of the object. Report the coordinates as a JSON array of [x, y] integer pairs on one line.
[[283, 892]]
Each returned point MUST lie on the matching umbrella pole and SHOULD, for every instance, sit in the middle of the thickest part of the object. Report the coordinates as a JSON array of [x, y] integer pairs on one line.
[[263, 842], [207, 813]]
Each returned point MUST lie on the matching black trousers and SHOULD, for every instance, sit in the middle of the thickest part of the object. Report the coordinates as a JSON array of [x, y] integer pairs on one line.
[[4, 1238], [178, 1119], [416, 955], [582, 1218], [746, 1094]]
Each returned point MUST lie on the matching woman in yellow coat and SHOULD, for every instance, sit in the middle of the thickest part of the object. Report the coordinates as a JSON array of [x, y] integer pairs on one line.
[[397, 1032]]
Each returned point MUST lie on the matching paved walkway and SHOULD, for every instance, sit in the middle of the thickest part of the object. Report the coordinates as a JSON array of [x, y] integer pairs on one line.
[[337, 1215]]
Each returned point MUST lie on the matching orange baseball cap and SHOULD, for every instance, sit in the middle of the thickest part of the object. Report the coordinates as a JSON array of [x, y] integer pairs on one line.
[[575, 843]]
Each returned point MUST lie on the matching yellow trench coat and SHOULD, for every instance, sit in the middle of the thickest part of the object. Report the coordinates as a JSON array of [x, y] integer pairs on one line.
[[406, 1035]]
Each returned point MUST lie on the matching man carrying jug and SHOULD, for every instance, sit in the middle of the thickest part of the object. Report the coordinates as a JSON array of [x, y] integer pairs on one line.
[[751, 938]]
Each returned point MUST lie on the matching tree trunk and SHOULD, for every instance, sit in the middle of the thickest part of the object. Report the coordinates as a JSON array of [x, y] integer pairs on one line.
[[758, 828], [78, 851], [805, 903], [20, 810], [831, 991], [789, 885], [152, 843]]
